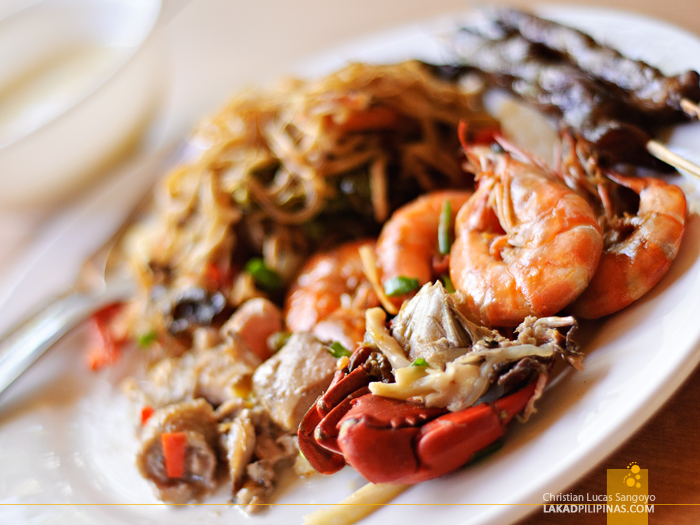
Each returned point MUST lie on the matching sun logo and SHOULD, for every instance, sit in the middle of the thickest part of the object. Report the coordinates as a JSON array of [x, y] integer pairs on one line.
[[632, 478]]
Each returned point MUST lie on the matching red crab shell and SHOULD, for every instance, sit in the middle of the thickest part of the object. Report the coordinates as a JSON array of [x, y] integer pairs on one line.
[[394, 441]]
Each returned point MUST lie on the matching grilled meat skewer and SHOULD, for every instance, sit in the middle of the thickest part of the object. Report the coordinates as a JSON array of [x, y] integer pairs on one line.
[[643, 85], [618, 131]]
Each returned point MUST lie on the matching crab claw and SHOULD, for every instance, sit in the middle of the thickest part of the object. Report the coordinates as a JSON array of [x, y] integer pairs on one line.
[[394, 441], [316, 432], [390, 441], [378, 436], [321, 459]]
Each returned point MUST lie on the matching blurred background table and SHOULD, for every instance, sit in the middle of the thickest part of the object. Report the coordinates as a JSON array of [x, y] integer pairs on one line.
[[220, 46]]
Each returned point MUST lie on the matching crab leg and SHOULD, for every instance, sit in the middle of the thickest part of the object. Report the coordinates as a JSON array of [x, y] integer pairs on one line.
[[323, 460], [317, 434], [326, 433], [343, 385], [379, 436]]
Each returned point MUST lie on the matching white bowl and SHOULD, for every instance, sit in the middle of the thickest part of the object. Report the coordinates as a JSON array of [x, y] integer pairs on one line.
[[78, 81]]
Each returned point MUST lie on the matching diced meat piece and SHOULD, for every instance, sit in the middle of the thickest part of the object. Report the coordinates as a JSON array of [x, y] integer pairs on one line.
[[240, 444], [272, 448], [252, 497], [255, 321], [217, 374], [268, 449], [290, 381], [195, 419], [225, 371], [205, 338], [289, 444], [262, 472], [230, 409], [172, 380], [258, 486], [345, 325]]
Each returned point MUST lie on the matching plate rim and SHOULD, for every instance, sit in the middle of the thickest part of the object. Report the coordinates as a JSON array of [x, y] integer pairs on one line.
[[576, 465]]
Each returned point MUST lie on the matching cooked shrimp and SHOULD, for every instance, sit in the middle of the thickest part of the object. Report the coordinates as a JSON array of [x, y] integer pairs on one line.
[[408, 242], [345, 325], [332, 290], [525, 244], [638, 250]]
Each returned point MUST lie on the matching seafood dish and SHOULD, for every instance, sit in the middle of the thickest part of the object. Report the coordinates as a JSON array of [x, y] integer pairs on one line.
[[365, 261], [363, 269]]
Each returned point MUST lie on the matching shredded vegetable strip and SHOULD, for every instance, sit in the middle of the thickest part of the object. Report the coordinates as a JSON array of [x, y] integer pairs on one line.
[[369, 265], [357, 506], [444, 233], [378, 185], [375, 320]]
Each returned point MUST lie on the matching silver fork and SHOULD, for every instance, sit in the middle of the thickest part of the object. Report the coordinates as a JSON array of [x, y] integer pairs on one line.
[[26, 343], [104, 279]]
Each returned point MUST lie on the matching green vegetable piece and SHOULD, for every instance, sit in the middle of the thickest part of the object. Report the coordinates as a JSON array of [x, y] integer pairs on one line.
[[400, 285], [337, 350], [277, 340], [147, 339], [444, 233], [448, 284], [265, 278], [420, 362]]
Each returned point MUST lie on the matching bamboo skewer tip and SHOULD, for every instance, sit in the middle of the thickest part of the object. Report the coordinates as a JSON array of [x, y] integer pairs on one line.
[[664, 154], [690, 108], [661, 152]]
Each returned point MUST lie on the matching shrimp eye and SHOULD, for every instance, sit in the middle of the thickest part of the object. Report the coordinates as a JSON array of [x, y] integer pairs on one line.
[[497, 148]]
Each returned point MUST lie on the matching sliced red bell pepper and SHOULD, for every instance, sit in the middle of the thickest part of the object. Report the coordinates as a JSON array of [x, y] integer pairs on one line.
[[372, 119], [146, 413], [174, 444], [483, 136], [104, 348]]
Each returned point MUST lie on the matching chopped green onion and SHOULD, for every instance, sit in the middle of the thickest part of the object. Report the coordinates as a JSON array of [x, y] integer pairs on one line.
[[449, 287], [147, 339], [420, 362], [265, 278], [337, 350], [400, 285], [444, 234], [480, 454], [277, 340]]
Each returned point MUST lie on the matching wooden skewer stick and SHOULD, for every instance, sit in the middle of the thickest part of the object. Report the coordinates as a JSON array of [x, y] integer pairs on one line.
[[664, 154], [690, 108], [358, 505]]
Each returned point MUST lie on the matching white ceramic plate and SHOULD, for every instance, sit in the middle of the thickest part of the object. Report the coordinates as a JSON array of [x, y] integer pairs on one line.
[[66, 437]]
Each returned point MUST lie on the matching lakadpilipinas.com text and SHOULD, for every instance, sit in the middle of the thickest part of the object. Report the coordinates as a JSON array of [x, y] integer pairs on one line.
[[599, 503]]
